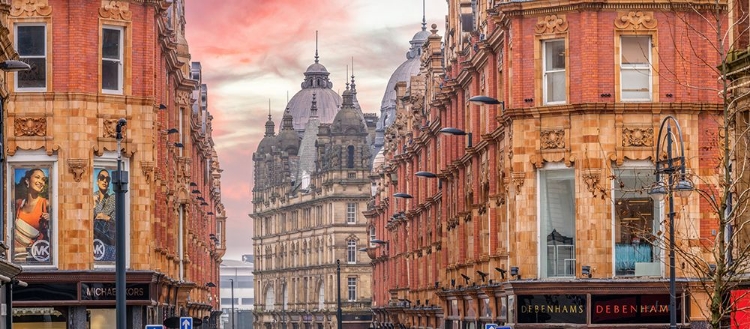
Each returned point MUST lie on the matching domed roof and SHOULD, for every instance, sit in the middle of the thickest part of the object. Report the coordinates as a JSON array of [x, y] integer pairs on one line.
[[349, 119], [404, 72], [316, 68], [288, 139], [420, 37], [269, 140], [266, 144], [316, 82], [378, 161]]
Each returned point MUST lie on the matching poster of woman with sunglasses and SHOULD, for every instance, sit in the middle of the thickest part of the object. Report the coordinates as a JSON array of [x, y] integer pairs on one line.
[[104, 216], [31, 227]]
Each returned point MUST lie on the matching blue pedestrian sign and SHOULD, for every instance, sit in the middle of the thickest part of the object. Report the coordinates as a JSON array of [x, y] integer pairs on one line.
[[186, 322], [154, 326], [490, 325]]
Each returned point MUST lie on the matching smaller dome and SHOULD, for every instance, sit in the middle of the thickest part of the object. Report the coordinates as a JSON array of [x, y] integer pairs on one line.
[[317, 68], [420, 37], [266, 144], [348, 121]]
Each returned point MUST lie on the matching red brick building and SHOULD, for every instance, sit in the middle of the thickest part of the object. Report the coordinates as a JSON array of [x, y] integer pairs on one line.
[[94, 62], [538, 214]]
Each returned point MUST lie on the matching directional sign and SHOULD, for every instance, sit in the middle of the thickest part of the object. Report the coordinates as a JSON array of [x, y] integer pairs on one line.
[[154, 326], [490, 325], [186, 322]]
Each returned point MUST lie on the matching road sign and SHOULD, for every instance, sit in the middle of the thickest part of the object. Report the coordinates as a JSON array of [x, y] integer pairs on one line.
[[186, 322], [490, 325], [154, 326]]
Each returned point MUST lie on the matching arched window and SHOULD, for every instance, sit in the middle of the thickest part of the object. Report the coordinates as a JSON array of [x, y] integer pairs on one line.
[[350, 157]]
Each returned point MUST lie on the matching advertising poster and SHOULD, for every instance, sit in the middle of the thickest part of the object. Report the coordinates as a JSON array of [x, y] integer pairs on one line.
[[104, 216], [32, 215]]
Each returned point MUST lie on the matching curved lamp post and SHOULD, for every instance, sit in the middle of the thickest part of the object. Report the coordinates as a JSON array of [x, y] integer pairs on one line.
[[673, 165]]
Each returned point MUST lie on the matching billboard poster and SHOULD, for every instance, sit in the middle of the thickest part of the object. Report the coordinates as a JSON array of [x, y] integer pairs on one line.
[[104, 215], [33, 221]]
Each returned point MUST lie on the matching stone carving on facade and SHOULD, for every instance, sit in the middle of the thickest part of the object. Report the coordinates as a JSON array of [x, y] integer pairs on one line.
[[636, 20], [518, 178], [27, 8], [638, 137], [182, 97], [119, 10], [147, 167], [551, 24], [30, 126], [553, 139], [77, 167], [109, 129]]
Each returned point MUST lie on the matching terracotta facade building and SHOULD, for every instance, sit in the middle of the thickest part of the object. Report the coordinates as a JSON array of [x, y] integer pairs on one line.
[[534, 212], [94, 62]]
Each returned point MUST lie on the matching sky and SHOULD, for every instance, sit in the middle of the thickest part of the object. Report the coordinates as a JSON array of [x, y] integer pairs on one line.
[[254, 52]]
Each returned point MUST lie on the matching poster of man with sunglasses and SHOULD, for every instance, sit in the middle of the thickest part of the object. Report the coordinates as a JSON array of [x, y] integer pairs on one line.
[[104, 216]]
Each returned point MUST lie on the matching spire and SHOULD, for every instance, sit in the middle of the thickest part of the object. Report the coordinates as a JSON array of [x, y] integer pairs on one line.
[[424, 19], [269, 124], [316, 45], [353, 85], [347, 73], [314, 107]]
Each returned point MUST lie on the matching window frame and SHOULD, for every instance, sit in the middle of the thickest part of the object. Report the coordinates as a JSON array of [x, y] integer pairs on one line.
[[351, 251], [351, 212], [46, 56], [546, 72], [120, 61], [351, 288], [635, 67], [542, 203]]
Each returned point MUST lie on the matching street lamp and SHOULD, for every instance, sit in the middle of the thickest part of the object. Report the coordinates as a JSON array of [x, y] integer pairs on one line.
[[457, 132], [120, 182], [7, 66], [231, 282], [673, 164]]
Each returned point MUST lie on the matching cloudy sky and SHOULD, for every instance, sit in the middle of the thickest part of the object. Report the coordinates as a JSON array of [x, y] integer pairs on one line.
[[255, 51]]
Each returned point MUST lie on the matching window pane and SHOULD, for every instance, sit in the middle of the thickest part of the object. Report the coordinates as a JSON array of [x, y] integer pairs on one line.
[[110, 75], [636, 83], [555, 55], [111, 44], [36, 77], [31, 41], [635, 50], [557, 193], [556, 87], [635, 227]]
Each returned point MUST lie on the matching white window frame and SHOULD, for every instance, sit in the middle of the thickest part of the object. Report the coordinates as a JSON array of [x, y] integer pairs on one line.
[[351, 251], [562, 248], [119, 61], [21, 57], [637, 67], [351, 287], [546, 72], [351, 213]]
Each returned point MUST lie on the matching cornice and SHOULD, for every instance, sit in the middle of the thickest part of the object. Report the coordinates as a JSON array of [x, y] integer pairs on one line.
[[534, 8]]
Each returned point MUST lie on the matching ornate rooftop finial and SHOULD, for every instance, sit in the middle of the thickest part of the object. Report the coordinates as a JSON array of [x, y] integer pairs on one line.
[[316, 46], [347, 73], [424, 19], [353, 85], [269, 109]]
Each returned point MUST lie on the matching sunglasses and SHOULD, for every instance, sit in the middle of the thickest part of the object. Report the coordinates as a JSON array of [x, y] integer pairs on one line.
[[105, 178]]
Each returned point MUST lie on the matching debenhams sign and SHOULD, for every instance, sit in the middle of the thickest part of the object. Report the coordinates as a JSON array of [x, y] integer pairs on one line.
[[108, 291]]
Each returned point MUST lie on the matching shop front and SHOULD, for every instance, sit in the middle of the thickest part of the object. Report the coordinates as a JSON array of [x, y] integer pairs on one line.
[[565, 304], [64, 299]]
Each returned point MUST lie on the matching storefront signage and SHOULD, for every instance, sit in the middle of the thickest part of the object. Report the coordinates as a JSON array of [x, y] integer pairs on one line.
[[108, 291], [45, 292], [551, 309], [622, 309]]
